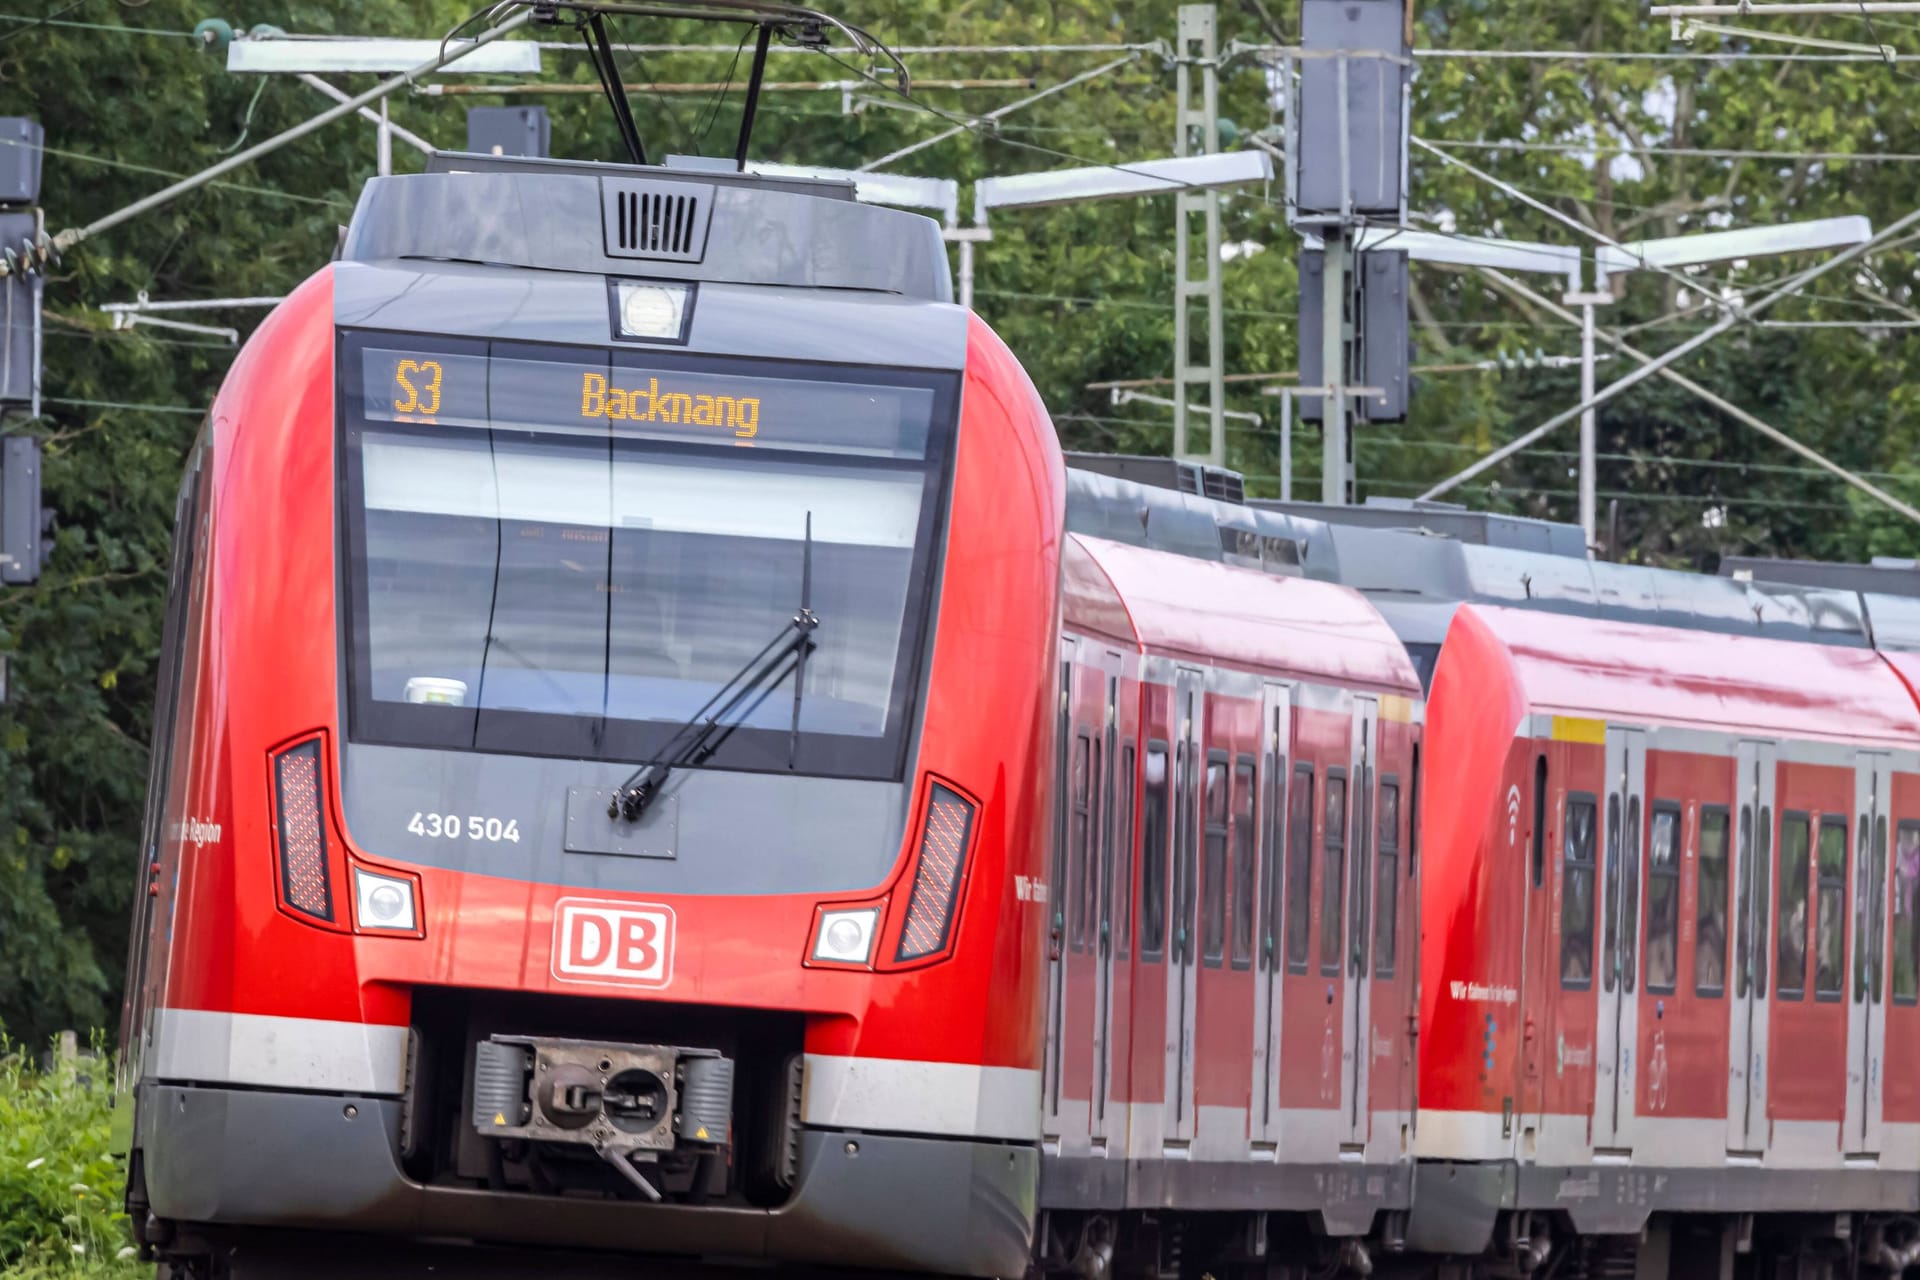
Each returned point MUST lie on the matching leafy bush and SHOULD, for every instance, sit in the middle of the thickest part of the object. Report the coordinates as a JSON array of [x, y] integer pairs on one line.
[[60, 1214]]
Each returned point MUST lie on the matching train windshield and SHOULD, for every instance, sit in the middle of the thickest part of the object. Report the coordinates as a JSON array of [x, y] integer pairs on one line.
[[559, 551]]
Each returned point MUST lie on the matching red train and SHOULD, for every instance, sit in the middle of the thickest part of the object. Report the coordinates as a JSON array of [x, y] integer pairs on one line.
[[660, 757]]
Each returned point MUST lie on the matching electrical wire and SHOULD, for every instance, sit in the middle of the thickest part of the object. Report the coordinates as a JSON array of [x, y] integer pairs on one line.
[[131, 167], [713, 104], [120, 404], [1698, 153], [97, 26], [34, 26]]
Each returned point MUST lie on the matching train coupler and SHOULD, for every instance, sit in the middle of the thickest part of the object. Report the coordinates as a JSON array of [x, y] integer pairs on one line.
[[630, 1103]]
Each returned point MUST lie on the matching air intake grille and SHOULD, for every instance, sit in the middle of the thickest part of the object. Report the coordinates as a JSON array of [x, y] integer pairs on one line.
[[665, 221], [303, 839]]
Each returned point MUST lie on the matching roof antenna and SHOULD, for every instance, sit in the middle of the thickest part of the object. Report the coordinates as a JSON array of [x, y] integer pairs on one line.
[[747, 112]]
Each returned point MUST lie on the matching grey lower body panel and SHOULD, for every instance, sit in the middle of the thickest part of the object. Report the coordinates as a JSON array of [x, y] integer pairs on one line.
[[1456, 1204], [1346, 1196], [248, 1158]]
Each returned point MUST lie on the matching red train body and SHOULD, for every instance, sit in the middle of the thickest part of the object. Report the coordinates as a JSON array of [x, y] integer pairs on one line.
[[1041, 900]]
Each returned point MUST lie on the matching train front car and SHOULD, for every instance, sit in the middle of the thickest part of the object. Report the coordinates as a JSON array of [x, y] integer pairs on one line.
[[615, 622]]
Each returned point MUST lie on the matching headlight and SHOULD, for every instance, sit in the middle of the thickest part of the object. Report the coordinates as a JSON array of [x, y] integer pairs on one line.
[[845, 937], [652, 312], [384, 902]]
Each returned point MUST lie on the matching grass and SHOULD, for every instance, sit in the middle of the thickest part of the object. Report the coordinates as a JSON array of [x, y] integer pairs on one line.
[[60, 1184]]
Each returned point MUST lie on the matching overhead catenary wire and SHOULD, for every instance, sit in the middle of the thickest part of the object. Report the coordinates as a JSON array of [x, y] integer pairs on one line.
[[73, 236], [129, 166], [1698, 153]]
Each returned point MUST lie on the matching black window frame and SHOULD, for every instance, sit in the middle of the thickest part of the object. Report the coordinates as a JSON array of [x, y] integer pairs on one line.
[[1273, 880], [1080, 764], [553, 735], [1712, 991], [1612, 879], [1783, 906], [1302, 790], [1128, 845], [1215, 836], [1360, 874], [1539, 834], [1243, 857], [1894, 995], [1654, 811], [1156, 849], [1763, 899], [1633, 903], [1822, 883], [1386, 879], [1569, 865], [1333, 880]]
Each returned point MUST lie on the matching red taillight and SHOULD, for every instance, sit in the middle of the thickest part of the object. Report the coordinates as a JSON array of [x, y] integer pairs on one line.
[[305, 878], [936, 883]]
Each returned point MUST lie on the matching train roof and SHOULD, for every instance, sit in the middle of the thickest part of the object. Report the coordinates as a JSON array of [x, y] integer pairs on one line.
[[1611, 669], [1418, 563], [1225, 613], [685, 220]]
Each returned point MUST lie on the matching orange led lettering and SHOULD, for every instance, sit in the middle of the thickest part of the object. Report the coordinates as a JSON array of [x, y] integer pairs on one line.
[[419, 399], [599, 399]]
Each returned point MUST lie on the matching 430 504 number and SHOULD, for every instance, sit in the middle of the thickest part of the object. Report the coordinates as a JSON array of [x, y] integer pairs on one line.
[[451, 826]]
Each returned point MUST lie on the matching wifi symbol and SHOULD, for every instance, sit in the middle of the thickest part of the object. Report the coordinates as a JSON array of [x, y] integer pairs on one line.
[[1513, 814]]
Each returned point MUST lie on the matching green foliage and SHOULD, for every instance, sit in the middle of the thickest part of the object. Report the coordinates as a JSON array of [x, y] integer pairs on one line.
[[60, 1215], [1084, 295]]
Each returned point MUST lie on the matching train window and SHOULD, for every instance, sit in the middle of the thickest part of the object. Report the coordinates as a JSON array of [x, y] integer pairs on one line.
[[1830, 911], [1539, 820], [1413, 821], [1123, 825], [1057, 888], [1300, 868], [1186, 803], [1332, 871], [1077, 851], [1213, 890], [527, 578], [1386, 880], [1906, 913], [1878, 933], [1795, 851], [1610, 922], [1359, 862], [1630, 900], [1862, 897], [1153, 854], [1663, 898], [1710, 904], [1576, 895], [1762, 911], [1743, 881], [1273, 832], [1099, 847], [1244, 863]]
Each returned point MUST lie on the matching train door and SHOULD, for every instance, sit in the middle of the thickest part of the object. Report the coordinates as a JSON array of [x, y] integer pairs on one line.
[[1276, 738], [1357, 1009], [1182, 944], [1101, 887], [1539, 967], [1754, 773], [1057, 895], [1620, 939], [1866, 1008], [172, 742]]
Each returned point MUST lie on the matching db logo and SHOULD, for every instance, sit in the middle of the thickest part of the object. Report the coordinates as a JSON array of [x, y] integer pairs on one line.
[[613, 942]]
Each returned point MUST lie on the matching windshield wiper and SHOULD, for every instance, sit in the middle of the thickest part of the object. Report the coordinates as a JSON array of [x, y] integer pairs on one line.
[[694, 742]]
